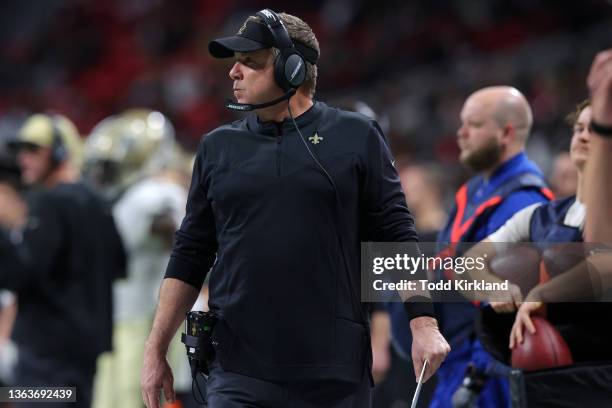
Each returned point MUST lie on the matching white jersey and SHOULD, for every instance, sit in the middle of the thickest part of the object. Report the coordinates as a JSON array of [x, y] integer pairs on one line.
[[136, 296]]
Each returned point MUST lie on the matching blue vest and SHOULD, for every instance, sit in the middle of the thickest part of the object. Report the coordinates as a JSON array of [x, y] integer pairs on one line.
[[463, 226], [456, 319], [547, 224], [546, 228], [458, 327], [582, 324]]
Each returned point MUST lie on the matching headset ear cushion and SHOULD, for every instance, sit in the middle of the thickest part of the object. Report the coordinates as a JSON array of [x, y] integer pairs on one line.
[[58, 148], [295, 70], [279, 73], [59, 153], [289, 71]]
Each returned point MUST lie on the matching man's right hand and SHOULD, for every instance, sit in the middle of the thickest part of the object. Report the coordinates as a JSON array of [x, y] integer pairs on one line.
[[428, 344], [156, 375]]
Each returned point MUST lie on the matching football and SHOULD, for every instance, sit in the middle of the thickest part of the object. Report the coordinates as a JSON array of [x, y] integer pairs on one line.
[[543, 349]]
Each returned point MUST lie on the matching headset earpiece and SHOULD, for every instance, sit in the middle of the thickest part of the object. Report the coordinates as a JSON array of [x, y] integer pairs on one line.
[[293, 71], [289, 66], [58, 147]]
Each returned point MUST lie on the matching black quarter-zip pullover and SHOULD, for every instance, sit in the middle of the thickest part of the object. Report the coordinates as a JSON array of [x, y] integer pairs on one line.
[[262, 216]]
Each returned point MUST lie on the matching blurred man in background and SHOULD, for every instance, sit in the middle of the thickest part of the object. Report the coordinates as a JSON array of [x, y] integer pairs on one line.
[[62, 269], [132, 159], [495, 124], [587, 338]]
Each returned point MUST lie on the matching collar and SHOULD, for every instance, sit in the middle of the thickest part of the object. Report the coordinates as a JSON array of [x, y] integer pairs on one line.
[[575, 215], [272, 128], [509, 167], [518, 164]]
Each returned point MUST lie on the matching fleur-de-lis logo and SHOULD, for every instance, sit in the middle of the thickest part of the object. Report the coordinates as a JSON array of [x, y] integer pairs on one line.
[[315, 139], [242, 28]]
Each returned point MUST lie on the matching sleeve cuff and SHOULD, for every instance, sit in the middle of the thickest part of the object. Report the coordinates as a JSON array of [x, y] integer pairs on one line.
[[185, 271], [419, 306]]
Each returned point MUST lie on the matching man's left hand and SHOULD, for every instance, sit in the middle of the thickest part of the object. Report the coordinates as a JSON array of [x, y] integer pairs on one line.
[[523, 321], [427, 344]]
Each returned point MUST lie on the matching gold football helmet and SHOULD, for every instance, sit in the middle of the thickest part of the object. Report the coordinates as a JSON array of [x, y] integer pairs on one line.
[[54, 131], [125, 148]]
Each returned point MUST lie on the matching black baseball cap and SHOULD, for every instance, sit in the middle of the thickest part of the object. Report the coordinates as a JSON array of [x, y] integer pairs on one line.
[[254, 36]]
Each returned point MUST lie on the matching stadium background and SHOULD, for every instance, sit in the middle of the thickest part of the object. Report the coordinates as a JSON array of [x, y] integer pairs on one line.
[[412, 62]]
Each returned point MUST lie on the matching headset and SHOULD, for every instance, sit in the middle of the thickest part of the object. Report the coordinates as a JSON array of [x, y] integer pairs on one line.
[[59, 153], [289, 65]]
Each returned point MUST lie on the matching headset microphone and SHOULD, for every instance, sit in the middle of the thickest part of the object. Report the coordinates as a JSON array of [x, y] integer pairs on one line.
[[245, 107]]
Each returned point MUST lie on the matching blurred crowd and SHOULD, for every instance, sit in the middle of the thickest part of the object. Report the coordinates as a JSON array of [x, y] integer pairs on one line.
[[416, 59]]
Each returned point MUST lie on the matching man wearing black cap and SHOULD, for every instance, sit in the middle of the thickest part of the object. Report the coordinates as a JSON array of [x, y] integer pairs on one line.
[[60, 265], [278, 205]]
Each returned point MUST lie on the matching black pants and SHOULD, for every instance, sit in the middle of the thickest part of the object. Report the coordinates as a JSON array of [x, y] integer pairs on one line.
[[231, 390], [36, 371]]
